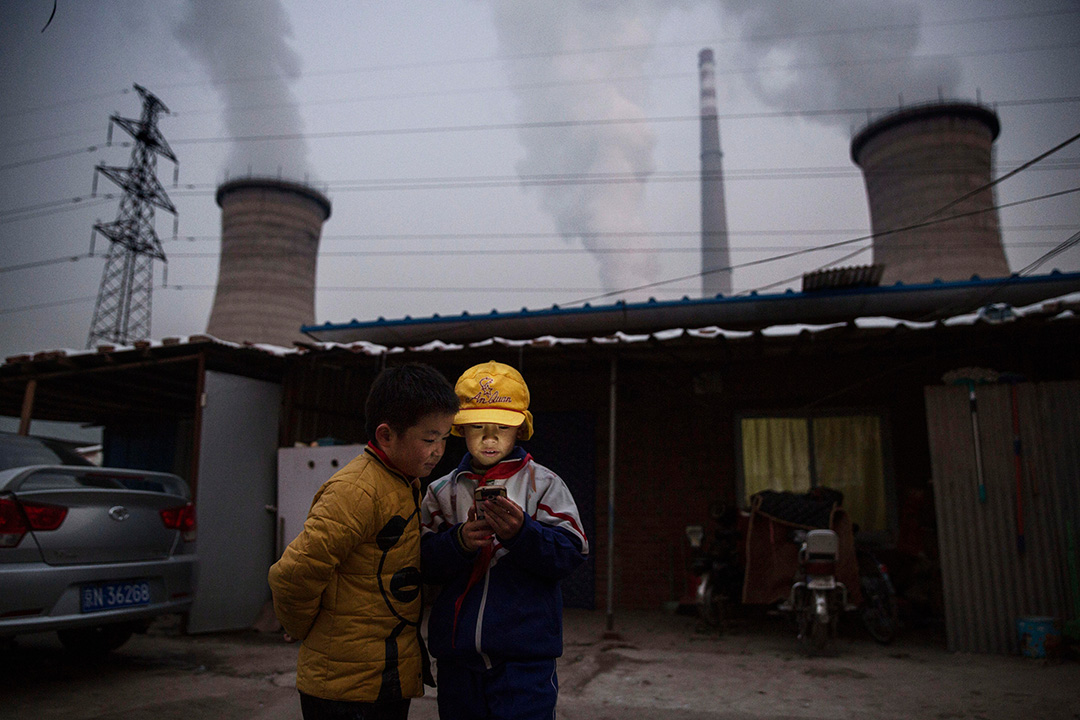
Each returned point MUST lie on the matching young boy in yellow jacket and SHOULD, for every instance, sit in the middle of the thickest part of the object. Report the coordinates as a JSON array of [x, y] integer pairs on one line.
[[348, 586]]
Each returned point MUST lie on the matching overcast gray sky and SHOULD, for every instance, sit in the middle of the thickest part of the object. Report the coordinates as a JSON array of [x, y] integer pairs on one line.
[[509, 129]]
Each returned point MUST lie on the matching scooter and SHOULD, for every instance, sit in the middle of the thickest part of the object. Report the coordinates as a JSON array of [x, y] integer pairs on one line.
[[817, 599]]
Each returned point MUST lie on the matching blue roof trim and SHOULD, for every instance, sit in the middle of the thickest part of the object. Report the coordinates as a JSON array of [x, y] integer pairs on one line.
[[555, 310]]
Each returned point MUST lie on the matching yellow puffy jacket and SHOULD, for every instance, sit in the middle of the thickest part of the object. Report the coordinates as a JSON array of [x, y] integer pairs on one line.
[[348, 586]]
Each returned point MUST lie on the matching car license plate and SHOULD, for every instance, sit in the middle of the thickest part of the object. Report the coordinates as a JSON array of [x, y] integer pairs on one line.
[[106, 596]]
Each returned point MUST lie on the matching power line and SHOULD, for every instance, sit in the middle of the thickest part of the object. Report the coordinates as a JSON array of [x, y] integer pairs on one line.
[[400, 288], [428, 252], [48, 158], [841, 243], [496, 181], [1007, 175], [547, 85], [926, 221], [466, 182], [43, 306], [362, 185], [465, 252], [546, 125], [643, 234], [444, 62], [687, 175], [1066, 245], [53, 208], [43, 263]]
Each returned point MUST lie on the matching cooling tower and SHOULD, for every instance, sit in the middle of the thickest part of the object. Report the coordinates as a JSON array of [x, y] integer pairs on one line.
[[269, 243], [922, 164], [715, 257]]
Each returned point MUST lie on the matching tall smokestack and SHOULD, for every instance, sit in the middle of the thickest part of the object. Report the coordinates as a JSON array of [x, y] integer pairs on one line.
[[715, 257], [916, 162], [269, 244]]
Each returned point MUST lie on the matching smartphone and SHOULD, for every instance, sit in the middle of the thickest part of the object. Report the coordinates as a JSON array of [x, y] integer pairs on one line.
[[487, 492]]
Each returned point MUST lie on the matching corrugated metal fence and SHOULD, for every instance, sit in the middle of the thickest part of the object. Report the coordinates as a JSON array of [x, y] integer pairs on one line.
[[989, 583]]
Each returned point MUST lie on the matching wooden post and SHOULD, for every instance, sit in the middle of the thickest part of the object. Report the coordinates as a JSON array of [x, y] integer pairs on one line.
[[27, 406]]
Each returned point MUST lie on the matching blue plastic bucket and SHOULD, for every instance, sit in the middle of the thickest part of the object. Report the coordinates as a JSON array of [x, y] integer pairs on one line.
[[1040, 637]]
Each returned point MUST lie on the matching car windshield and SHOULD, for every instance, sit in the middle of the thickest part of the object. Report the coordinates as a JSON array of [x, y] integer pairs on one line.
[[20, 450]]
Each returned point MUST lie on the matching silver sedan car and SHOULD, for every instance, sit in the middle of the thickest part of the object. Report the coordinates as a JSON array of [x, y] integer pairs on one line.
[[93, 553]]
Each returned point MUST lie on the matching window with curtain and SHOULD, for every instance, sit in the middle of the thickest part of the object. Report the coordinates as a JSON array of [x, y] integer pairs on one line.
[[836, 451]]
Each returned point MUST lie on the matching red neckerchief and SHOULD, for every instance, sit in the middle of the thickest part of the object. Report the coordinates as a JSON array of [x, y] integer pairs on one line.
[[500, 471], [385, 460]]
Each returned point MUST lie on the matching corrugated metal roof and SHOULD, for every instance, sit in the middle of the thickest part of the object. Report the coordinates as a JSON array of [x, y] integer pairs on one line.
[[1066, 307], [925, 302]]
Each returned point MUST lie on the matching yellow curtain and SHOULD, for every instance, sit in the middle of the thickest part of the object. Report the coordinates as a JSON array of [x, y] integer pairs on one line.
[[775, 455], [847, 454]]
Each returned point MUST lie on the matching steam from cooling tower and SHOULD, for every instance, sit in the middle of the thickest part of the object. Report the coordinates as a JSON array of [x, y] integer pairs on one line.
[[807, 59], [244, 49], [529, 32], [811, 59]]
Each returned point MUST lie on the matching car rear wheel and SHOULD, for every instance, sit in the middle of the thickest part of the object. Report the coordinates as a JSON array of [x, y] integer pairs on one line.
[[95, 640]]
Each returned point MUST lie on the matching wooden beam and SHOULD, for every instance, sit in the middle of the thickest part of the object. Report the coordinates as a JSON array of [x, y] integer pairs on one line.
[[27, 406], [49, 375]]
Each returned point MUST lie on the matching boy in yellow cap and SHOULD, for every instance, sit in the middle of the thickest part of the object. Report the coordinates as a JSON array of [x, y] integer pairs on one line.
[[496, 625]]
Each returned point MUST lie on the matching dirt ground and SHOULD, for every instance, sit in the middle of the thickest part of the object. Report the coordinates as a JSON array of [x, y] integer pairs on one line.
[[756, 669], [654, 665]]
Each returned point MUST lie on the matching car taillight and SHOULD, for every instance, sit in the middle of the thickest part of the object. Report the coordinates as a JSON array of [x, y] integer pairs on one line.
[[16, 519], [12, 523], [180, 518]]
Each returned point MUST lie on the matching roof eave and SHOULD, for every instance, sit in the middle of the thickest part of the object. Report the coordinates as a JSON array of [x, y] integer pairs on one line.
[[926, 302]]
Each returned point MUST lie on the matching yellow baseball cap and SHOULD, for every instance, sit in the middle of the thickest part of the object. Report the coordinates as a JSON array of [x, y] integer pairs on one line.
[[493, 393]]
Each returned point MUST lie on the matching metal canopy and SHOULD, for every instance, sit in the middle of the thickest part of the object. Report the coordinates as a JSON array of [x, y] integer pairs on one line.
[[124, 383], [928, 302]]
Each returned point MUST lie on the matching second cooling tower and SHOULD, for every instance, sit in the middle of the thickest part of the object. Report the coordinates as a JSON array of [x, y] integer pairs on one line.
[[928, 171], [270, 233]]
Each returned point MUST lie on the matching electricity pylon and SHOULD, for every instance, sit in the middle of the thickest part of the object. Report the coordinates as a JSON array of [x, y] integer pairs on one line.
[[122, 312]]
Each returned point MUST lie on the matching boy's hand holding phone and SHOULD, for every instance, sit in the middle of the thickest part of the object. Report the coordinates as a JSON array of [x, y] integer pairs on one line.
[[494, 513], [504, 516], [475, 533]]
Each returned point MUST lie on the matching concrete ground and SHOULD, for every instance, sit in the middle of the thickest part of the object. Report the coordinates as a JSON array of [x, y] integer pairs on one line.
[[655, 665]]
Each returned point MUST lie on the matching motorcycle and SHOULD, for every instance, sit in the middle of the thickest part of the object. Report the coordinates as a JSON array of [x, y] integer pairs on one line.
[[817, 599], [717, 567]]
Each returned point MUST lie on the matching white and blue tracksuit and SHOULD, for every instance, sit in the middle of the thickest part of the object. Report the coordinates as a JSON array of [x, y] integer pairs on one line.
[[496, 625]]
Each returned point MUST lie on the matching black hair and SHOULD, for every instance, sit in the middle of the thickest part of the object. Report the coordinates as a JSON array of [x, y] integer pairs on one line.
[[400, 396]]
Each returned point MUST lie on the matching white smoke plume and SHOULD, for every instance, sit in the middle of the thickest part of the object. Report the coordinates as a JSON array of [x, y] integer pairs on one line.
[[244, 49], [829, 62], [549, 42], [529, 32]]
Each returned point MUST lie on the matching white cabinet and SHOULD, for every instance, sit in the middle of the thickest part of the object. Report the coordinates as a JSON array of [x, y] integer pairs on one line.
[[301, 471]]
